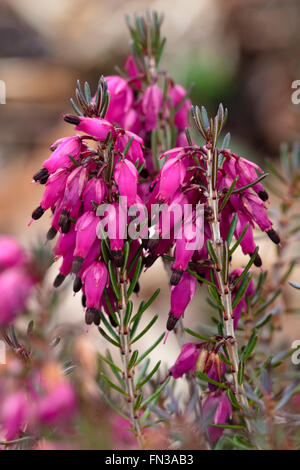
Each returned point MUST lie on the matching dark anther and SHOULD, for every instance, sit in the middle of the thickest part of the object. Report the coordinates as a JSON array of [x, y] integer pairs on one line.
[[273, 236], [64, 221], [77, 284], [97, 318], [144, 173], [257, 261], [37, 213], [51, 233], [152, 243], [263, 195], [59, 280], [76, 265], [42, 176], [118, 258], [71, 119], [171, 322], [175, 277], [89, 316], [149, 260], [136, 288], [83, 301]]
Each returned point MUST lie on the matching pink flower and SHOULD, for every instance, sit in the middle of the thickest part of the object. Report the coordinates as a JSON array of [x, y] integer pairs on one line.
[[187, 360], [54, 189], [95, 127], [94, 280], [218, 404], [86, 228], [177, 94], [15, 288], [121, 98], [60, 157], [181, 296], [151, 105], [133, 72], [13, 413], [59, 404], [135, 152], [11, 253], [171, 176], [126, 177], [94, 191]]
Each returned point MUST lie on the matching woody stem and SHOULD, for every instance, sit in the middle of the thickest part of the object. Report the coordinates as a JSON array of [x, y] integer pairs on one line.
[[223, 284], [128, 374]]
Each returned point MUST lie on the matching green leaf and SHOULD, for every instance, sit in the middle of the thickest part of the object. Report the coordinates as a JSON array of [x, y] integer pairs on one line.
[[200, 278], [108, 326], [126, 255], [127, 146], [232, 229], [196, 335], [242, 188], [149, 350], [148, 377], [246, 269], [205, 377], [237, 243], [135, 278], [105, 335], [241, 372], [138, 402], [211, 251], [109, 306], [150, 324], [155, 394], [136, 320], [133, 359], [268, 302], [250, 346], [128, 313], [113, 280], [227, 426], [228, 194], [295, 285], [112, 385], [242, 289]]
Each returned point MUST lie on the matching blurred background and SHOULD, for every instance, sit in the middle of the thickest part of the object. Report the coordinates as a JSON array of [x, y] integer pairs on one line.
[[242, 53]]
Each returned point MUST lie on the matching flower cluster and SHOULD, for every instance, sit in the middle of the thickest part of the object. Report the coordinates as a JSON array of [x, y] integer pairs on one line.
[[45, 398], [183, 180], [205, 357], [16, 279]]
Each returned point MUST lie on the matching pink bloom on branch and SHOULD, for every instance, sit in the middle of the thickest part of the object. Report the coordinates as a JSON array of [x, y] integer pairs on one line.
[[86, 234], [218, 406], [126, 177], [151, 106], [121, 98], [59, 404], [95, 127], [181, 295], [60, 157], [133, 72], [94, 191], [171, 175], [187, 360], [11, 253], [13, 413], [15, 288], [135, 151], [94, 279], [177, 94]]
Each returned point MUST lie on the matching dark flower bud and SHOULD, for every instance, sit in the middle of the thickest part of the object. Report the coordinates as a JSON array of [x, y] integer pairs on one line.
[[42, 176], [64, 221], [59, 280], [77, 284], [152, 243], [118, 258], [144, 173], [175, 277], [171, 322], [37, 213], [263, 195], [257, 261], [89, 316], [273, 236], [136, 289], [97, 318], [149, 260], [71, 119], [76, 265], [51, 233]]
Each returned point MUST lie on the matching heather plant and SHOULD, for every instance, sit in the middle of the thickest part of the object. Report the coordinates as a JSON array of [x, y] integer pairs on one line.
[[132, 186]]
